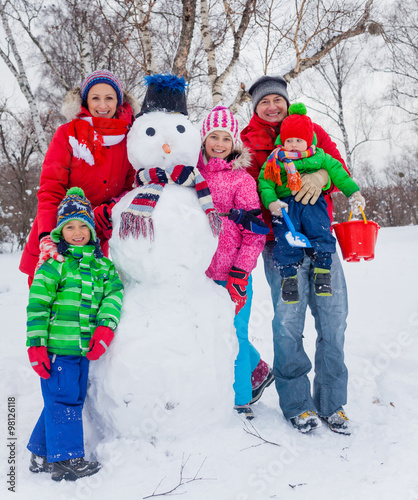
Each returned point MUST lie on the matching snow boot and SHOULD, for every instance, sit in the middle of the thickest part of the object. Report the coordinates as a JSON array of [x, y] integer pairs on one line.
[[306, 421], [39, 464], [268, 380], [338, 422], [245, 411], [290, 292], [322, 281], [74, 468]]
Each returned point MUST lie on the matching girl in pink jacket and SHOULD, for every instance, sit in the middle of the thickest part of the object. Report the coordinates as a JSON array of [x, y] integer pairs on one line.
[[223, 165]]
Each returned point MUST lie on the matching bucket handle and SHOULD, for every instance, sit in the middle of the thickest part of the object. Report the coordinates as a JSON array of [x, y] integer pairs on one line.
[[361, 210]]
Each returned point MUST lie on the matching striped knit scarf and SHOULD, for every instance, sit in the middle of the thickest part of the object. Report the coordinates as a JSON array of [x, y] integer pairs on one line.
[[137, 218], [273, 168]]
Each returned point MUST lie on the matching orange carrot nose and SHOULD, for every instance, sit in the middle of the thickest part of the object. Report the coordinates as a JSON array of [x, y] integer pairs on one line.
[[167, 149]]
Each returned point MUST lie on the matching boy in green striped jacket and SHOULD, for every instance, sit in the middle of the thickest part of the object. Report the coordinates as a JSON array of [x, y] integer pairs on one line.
[[74, 307]]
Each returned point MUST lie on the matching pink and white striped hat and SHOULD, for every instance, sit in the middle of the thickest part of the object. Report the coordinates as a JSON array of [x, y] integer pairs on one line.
[[220, 118]]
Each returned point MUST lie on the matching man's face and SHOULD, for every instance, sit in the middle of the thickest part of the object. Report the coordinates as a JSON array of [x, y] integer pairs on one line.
[[272, 108]]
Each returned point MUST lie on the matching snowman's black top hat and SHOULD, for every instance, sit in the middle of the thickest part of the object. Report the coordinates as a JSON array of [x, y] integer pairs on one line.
[[164, 93]]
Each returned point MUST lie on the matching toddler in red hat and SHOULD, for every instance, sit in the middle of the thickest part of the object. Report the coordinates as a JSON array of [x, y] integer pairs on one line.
[[297, 153]]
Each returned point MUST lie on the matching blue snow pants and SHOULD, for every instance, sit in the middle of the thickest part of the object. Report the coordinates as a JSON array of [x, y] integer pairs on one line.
[[248, 357], [58, 434], [311, 220]]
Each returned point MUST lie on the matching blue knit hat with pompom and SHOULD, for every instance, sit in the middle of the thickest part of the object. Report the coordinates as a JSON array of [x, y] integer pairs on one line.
[[75, 206]]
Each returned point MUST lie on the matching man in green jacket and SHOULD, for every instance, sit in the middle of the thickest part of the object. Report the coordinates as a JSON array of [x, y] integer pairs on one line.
[[74, 307], [279, 176]]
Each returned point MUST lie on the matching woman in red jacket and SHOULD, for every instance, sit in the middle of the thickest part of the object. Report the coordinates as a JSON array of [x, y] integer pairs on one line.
[[89, 152]]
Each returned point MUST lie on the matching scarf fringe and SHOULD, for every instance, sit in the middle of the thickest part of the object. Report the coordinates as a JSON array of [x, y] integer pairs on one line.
[[272, 168], [152, 181], [136, 225], [215, 223], [294, 181]]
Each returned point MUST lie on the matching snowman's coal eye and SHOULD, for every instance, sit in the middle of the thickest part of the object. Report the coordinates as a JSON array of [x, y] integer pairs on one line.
[[150, 131], [181, 129]]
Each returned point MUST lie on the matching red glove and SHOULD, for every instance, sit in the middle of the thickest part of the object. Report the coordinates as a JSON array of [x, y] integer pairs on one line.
[[38, 357], [103, 219], [236, 283], [100, 342], [48, 249]]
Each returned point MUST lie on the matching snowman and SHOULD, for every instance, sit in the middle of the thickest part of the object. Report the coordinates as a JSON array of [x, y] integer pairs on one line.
[[169, 370]]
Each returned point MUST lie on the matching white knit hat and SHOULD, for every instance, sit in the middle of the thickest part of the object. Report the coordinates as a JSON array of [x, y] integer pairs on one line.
[[220, 118]]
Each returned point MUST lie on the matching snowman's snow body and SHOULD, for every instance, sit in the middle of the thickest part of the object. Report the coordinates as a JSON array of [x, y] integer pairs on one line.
[[169, 369]]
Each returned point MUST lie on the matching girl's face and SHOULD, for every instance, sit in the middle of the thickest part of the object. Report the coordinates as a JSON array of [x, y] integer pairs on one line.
[[295, 144], [102, 101], [218, 144], [76, 232]]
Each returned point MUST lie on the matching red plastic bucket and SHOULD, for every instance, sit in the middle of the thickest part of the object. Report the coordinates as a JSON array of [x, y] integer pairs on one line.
[[357, 238]]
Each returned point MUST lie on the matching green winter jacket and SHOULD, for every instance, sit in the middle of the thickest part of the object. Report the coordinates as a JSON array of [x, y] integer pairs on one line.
[[270, 191], [67, 300]]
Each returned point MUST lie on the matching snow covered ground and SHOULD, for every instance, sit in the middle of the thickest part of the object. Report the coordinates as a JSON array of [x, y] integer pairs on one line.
[[378, 461]]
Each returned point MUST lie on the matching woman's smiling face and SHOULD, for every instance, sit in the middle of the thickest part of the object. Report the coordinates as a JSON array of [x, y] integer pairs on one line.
[[102, 101]]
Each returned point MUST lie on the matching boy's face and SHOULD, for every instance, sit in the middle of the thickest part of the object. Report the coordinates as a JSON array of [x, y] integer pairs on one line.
[[218, 144], [76, 232], [295, 144]]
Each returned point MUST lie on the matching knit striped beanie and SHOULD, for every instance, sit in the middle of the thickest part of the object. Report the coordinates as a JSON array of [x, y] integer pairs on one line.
[[220, 118], [101, 76], [75, 206]]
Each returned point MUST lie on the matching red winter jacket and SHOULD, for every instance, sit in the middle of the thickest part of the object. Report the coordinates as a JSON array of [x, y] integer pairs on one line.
[[259, 136], [61, 171]]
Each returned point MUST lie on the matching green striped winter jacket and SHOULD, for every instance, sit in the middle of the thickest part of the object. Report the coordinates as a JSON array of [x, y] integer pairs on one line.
[[67, 300]]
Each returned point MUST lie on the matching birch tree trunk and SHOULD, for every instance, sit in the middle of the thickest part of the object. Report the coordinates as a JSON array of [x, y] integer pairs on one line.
[[38, 138]]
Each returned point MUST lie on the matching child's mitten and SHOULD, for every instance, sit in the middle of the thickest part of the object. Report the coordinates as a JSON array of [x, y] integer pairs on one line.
[[38, 357], [236, 286], [249, 220], [356, 201], [100, 342], [276, 207]]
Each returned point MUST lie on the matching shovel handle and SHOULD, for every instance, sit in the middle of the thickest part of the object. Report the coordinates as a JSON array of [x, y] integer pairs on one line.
[[361, 210], [289, 223]]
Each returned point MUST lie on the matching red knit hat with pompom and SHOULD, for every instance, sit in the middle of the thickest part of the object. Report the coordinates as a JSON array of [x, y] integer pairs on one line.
[[297, 124]]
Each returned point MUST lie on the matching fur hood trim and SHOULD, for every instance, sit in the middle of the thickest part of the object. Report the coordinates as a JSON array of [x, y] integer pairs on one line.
[[244, 159], [71, 104]]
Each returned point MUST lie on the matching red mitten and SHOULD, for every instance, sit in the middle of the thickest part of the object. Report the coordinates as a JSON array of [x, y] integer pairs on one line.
[[103, 219], [48, 250], [236, 284], [100, 342], [38, 357]]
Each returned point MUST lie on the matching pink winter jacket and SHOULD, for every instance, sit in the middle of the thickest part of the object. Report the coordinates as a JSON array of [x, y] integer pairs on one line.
[[232, 187]]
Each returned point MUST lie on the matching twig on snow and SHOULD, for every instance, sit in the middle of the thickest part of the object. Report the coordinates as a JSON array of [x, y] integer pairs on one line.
[[254, 432], [182, 480]]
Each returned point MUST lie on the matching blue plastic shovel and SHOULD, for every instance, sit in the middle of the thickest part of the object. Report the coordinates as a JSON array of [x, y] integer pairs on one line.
[[294, 238]]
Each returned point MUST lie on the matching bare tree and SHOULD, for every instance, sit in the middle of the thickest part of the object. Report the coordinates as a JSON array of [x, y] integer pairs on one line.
[[311, 29], [401, 30], [339, 71], [12, 57], [19, 174]]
